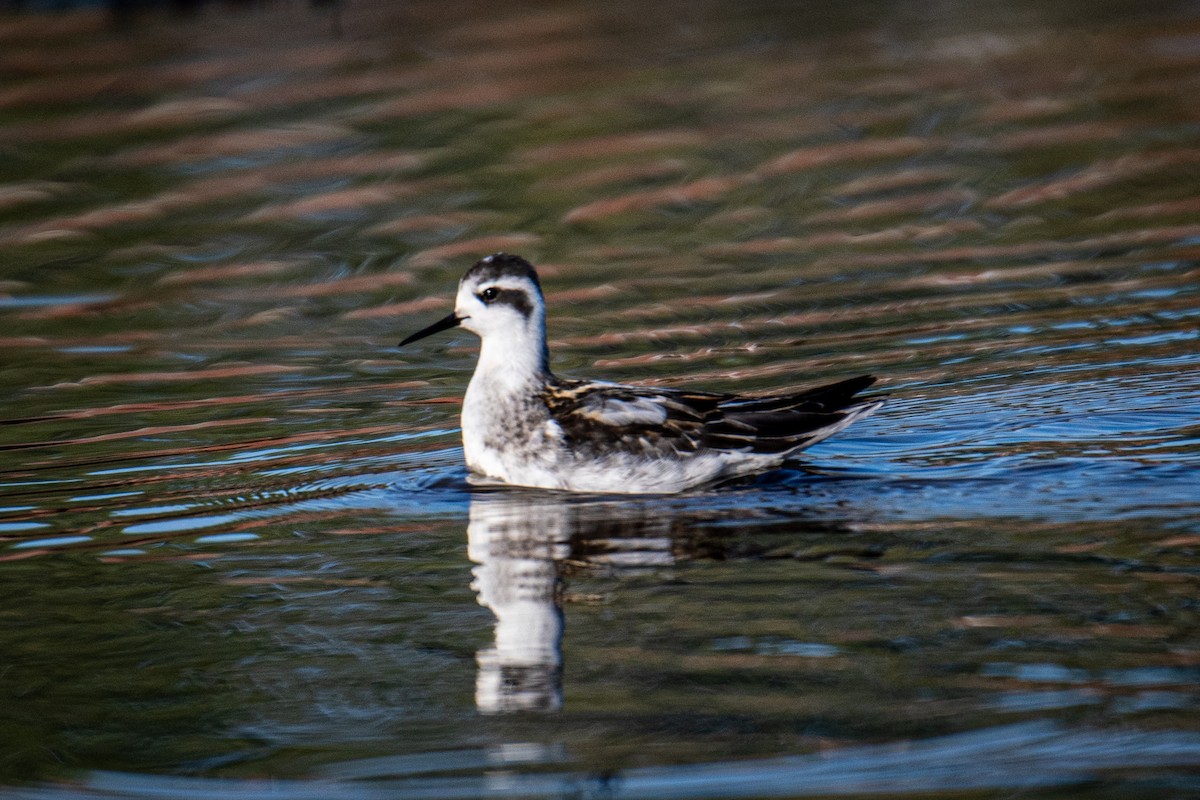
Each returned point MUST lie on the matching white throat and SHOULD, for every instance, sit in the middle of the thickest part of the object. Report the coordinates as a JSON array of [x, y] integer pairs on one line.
[[515, 357]]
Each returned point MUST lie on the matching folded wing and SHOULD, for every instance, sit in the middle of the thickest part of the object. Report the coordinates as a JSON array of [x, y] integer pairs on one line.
[[606, 416]]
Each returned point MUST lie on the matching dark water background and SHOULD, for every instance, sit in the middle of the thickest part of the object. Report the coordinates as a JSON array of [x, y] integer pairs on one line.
[[236, 540]]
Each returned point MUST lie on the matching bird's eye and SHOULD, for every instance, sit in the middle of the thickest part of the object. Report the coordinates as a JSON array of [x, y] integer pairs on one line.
[[489, 294]]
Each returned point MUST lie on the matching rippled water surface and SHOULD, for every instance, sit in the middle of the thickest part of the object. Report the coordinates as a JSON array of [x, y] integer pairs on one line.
[[236, 537]]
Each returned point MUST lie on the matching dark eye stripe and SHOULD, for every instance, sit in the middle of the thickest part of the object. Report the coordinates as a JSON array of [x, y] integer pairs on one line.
[[516, 298]]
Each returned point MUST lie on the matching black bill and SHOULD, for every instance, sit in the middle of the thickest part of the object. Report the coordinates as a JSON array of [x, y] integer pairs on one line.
[[445, 323]]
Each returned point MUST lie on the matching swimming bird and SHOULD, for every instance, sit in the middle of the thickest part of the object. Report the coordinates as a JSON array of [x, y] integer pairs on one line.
[[523, 425]]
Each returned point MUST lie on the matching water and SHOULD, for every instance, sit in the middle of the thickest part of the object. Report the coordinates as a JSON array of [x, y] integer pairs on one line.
[[236, 538]]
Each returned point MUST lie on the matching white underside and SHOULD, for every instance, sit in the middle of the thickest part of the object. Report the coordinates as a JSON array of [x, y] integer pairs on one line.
[[625, 476]]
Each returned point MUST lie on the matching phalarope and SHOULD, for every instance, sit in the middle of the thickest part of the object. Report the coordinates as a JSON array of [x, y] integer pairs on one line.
[[522, 425]]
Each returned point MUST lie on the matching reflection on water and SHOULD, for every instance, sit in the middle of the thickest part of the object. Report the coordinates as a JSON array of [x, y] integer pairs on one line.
[[236, 539], [524, 543], [777, 644], [519, 549]]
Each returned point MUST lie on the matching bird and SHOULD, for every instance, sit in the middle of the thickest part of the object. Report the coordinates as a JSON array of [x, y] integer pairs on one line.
[[524, 426]]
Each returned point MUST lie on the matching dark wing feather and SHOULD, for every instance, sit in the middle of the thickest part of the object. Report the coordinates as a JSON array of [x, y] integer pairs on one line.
[[779, 423], [831, 397], [602, 416]]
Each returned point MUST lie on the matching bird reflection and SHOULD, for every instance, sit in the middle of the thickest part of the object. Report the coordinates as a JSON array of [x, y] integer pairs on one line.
[[527, 543], [524, 544], [518, 550]]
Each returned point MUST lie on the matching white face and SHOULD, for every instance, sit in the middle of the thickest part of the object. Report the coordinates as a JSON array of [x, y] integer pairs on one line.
[[504, 305]]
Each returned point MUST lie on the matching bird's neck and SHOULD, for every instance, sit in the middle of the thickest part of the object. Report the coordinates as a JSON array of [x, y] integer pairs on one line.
[[515, 363]]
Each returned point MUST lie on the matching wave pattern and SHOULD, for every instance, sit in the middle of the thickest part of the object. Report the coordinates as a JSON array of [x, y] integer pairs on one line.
[[214, 461]]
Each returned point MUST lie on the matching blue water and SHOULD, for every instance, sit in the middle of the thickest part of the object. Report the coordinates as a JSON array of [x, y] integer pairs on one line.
[[239, 552]]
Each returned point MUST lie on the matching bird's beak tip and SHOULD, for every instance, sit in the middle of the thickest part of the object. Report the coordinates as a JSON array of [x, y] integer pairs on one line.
[[450, 321]]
